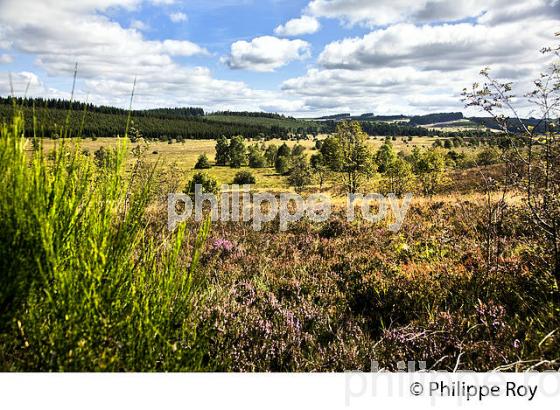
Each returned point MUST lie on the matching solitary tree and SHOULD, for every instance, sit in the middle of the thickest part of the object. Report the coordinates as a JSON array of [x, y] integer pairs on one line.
[[222, 151], [300, 174], [256, 157], [318, 168], [206, 182], [282, 164], [355, 160], [284, 151], [297, 150], [430, 169], [202, 162], [398, 177], [385, 156], [237, 152], [330, 153], [270, 154]]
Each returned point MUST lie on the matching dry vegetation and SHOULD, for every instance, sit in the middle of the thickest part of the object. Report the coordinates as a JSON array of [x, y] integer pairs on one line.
[[92, 280]]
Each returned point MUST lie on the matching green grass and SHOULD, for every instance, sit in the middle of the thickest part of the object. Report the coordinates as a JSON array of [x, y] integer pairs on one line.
[[183, 156], [89, 281]]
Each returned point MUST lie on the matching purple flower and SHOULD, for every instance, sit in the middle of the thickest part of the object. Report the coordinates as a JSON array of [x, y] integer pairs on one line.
[[516, 344], [222, 245]]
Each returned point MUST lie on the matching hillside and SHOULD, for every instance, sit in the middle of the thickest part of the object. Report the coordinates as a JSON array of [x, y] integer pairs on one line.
[[180, 123]]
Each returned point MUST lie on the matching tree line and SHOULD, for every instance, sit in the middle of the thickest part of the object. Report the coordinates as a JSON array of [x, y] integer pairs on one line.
[[159, 124], [345, 156]]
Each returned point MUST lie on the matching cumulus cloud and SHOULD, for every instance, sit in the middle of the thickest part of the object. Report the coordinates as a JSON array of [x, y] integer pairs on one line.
[[417, 72], [445, 47], [382, 12], [178, 17], [266, 53], [298, 27], [61, 35], [21, 82], [410, 67]]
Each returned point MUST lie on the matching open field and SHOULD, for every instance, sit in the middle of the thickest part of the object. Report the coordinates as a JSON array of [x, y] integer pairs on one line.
[[183, 155]]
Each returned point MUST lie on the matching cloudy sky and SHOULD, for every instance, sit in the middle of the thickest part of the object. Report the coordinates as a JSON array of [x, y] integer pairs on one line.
[[299, 57]]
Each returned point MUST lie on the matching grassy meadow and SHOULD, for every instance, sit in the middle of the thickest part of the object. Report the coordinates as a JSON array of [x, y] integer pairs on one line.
[[94, 281], [182, 156]]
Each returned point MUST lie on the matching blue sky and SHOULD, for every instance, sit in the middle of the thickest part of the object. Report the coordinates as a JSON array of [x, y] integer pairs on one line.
[[303, 57]]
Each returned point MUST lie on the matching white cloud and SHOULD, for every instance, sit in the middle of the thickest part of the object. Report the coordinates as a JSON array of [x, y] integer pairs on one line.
[[411, 69], [266, 53], [139, 25], [20, 82], [382, 12], [178, 17], [71, 32], [408, 66], [6, 59], [181, 48], [444, 47], [299, 26]]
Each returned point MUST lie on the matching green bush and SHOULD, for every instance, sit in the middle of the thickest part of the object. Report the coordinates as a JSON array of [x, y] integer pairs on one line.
[[202, 162], [208, 184], [282, 164], [244, 177]]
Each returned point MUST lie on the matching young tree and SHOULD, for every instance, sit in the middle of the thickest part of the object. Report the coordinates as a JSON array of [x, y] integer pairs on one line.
[[244, 178], [300, 174], [318, 144], [104, 158], [487, 156], [237, 152], [398, 177], [330, 152], [297, 150], [318, 168], [385, 156], [533, 152], [270, 154], [430, 170], [282, 164], [222, 151], [284, 151], [256, 157], [202, 162], [283, 161], [356, 160], [207, 183]]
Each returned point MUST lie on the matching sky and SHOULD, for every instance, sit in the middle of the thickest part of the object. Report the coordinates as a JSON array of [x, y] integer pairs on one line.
[[297, 57]]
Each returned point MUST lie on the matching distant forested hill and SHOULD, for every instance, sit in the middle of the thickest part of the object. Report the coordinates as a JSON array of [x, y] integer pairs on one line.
[[436, 118], [514, 125], [162, 123]]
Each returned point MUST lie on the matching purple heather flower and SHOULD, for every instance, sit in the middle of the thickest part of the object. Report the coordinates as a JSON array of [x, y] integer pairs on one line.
[[222, 245]]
